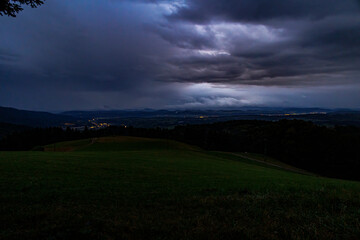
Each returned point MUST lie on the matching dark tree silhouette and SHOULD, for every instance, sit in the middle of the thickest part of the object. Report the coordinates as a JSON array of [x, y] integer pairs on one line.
[[13, 7]]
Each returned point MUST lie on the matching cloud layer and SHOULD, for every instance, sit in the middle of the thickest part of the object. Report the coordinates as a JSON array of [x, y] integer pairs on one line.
[[266, 42], [133, 54]]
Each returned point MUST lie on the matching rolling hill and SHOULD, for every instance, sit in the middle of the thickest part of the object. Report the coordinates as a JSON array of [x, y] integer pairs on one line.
[[31, 118], [138, 188]]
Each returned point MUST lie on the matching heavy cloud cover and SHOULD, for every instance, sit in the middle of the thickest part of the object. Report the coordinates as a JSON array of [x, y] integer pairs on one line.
[[186, 53], [264, 42]]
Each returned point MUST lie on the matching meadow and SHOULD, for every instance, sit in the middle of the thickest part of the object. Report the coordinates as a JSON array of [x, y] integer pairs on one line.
[[138, 188]]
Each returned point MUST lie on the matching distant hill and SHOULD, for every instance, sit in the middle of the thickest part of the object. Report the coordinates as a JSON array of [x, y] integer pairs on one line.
[[149, 118], [150, 113], [31, 118]]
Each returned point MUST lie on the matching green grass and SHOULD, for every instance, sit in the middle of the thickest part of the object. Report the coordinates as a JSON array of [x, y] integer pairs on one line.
[[136, 188]]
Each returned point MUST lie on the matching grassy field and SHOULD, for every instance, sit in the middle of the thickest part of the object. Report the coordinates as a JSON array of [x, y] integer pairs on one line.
[[136, 188]]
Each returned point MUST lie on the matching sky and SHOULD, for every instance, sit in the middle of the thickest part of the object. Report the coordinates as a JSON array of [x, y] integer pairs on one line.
[[183, 54]]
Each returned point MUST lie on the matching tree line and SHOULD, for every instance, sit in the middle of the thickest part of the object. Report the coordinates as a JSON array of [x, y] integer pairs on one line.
[[12, 7], [328, 151]]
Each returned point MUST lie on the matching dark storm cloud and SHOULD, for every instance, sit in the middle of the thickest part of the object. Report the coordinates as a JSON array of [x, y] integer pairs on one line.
[[150, 53], [201, 11], [182, 37], [277, 42], [6, 56], [89, 53], [76, 55]]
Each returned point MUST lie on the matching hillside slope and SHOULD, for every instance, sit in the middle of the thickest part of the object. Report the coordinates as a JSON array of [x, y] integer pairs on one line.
[[136, 188], [31, 118], [121, 143]]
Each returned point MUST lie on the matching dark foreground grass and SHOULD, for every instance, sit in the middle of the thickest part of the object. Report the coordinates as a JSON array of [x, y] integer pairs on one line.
[[112, 190]]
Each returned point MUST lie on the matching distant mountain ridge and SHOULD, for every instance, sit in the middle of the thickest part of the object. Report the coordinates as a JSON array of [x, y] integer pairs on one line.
[[190, 112], [173, 117], [31, 118]]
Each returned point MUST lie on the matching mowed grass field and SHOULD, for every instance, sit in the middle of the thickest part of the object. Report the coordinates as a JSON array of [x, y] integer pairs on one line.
[[136, 188]]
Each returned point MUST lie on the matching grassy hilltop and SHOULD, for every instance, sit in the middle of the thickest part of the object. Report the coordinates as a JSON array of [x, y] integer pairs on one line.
[[137, 188]]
